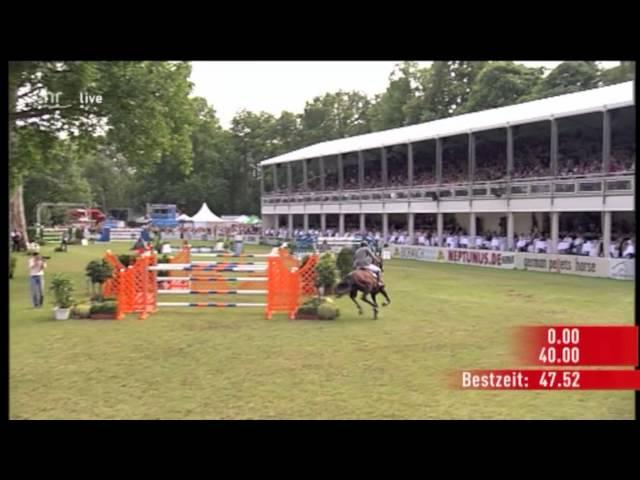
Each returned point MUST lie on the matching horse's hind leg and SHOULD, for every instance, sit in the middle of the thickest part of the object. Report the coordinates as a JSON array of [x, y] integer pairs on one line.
[[384, 294], [353, 295]]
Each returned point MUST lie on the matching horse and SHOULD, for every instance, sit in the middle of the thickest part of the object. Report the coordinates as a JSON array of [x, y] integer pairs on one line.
[[365, 281]]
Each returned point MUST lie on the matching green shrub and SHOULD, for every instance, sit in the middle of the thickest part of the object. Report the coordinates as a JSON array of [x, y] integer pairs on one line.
[[327, 274], [62, 289], [12, 265], [310, 307], [98, 271], [127, 259], [104, 307], [328, 311], [164, 259], [82, 310], [344, 261]]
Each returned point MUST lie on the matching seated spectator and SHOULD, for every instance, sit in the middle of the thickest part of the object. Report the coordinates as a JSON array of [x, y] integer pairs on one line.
[[629, 250], [495, 243], [588, 248], [541, 245], [479, 241], [464, 241], [614, 250]]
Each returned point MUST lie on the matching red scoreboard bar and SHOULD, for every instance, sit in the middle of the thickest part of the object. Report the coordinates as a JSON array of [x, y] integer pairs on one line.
[[550, 346], [567, 347], [549, 380]]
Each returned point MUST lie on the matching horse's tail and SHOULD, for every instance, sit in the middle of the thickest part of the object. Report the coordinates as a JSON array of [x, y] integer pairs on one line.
[[344, 286]]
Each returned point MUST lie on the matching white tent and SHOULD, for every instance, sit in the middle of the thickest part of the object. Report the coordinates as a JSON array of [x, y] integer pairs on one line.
[[185, 218], [242, 219], [205, 217]]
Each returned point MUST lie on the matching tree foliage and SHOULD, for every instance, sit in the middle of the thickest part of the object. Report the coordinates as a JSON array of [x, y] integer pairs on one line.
[[150, 140]]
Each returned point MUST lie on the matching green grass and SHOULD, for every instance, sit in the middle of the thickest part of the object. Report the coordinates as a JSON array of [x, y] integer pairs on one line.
[[234, 364]]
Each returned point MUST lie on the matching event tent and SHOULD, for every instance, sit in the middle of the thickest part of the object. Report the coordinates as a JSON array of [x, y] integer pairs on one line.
[[205, 217]]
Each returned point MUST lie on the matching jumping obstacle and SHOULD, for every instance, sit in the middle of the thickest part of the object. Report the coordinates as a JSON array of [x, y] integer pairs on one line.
[[137, 287]]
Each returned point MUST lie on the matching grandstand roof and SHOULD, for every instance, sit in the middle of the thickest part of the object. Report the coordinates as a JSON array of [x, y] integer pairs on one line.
[[598, 99]]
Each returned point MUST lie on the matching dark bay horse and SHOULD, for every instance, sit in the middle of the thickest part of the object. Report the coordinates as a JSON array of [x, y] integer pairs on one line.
[[365, 281]]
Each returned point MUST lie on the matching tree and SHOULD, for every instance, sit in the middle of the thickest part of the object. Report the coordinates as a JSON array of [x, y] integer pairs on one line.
[[625, 72], [568, 77], [335, 115], [500, 84], [390, 109], [58, 178], [145, 113]]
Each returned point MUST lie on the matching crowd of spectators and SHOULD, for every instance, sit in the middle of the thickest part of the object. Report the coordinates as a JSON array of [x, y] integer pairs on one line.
[[622, 246], [530, 161]]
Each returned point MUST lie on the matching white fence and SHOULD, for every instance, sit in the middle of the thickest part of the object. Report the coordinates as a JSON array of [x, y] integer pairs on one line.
[[620, 269], [124, 234]]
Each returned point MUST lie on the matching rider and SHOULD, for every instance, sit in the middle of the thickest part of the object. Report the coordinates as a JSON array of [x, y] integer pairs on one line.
[[365, 258]]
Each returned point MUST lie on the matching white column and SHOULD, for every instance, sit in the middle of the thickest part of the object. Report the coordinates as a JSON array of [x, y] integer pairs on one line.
[[472, 230], [411, 224], [385, 226], [363, 224], [341, 224], [323, 222], [290, 227], [555, 221], [606, 233], [510, 244], [440, 220], [305, 220]]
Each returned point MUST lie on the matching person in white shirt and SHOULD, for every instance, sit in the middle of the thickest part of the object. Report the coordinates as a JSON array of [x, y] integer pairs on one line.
[[613, 250], [402, 239], [36, 279], [479, 241], [579, 241], [629, 250], [464, 241], [449, 241], [521, 243], [541, 245], [587, 248], [422, 240], [495, 243]]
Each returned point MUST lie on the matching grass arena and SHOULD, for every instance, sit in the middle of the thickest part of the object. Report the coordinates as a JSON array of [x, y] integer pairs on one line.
[[231, 363]]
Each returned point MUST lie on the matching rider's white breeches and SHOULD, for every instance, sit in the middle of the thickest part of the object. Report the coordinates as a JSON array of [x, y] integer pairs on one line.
[[373, 268]]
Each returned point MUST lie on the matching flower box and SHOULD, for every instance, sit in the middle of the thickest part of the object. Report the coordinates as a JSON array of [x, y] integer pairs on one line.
[[102, 316]]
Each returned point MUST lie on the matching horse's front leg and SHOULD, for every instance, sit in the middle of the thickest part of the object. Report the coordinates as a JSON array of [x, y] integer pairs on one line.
[[353, 295], [373, 304], [384, 294]]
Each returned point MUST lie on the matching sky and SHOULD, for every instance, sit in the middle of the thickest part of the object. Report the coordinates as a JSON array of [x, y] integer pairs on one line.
[[276, 86]]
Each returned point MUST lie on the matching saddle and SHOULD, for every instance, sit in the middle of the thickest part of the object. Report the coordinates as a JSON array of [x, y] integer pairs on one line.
[[377, 281]]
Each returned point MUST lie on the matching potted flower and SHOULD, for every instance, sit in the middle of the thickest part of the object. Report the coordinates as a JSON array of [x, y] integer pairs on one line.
[[62, 289]]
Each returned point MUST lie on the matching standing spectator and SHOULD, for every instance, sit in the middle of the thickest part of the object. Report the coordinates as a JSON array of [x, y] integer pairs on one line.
[[16, 237], [36, 279], [64, 241]]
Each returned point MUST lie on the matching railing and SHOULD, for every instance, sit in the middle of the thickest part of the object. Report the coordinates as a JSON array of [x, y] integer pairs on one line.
[[620, 183]]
